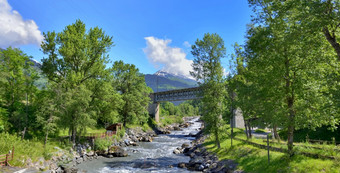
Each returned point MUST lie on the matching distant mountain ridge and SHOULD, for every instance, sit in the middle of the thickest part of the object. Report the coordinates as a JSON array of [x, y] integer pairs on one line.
[[167, 81]]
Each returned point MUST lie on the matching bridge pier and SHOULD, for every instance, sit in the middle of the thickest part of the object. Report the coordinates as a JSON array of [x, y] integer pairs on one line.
[[154, 111]]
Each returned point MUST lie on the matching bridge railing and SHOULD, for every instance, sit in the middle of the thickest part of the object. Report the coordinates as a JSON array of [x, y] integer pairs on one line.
[[177, 95]]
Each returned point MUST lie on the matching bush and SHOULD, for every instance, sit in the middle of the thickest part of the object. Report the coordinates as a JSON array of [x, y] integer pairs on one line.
[[102, 144], [321, 133], [170, 119], [260, 131]]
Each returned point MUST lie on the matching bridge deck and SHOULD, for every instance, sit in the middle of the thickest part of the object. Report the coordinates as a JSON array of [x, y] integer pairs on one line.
[[176, 95]]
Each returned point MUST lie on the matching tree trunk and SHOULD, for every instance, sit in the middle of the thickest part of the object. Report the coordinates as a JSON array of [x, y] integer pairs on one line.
[[332, 40], [26, 117], [249, 129], [290, 107], [70, 134], [74, 133], [46, 137], [217, 139], [291, 126], [276, 135], [23, 133], [245, 126]]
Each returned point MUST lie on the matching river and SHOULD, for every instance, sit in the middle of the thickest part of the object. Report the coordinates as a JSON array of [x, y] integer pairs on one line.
[[155, 156]]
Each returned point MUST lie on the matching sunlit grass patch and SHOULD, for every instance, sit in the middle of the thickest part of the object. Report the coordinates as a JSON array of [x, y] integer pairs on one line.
[[253, 159]]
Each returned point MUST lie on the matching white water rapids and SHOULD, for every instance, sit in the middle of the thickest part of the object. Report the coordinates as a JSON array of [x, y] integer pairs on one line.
[[156, 156]]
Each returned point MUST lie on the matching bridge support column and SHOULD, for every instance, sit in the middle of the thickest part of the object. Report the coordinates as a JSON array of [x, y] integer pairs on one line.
[[154, 111]]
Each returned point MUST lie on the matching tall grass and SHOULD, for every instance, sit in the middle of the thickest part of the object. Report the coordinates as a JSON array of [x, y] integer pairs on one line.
[[24, 149]]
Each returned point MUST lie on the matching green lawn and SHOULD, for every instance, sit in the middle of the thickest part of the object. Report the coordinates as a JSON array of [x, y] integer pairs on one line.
[[253, 159]]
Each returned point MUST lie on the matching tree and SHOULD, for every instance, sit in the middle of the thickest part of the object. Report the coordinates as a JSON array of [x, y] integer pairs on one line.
[[47, 111], [208, 71], [314, 16], [17, 88], [288, 78], [75, 57], [134, 92]]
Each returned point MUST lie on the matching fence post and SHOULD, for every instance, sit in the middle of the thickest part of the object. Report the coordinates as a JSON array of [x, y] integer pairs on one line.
[[268, 148], [6, 160], [12, 152]]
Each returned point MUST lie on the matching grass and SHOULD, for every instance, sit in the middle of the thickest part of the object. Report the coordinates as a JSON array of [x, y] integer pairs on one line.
[[24, 149], [64, 132], [170, 119], [253, 159]]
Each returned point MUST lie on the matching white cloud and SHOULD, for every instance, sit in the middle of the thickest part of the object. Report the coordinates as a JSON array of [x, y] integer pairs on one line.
[[14, 30], [187, 44], [225, 72], [173, 59]]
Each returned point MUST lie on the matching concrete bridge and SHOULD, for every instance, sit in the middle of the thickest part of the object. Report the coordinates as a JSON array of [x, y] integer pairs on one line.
[[185, 94]]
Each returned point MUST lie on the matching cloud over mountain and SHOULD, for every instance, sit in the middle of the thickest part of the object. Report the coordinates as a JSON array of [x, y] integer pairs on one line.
[[172, 59], [14, 30]]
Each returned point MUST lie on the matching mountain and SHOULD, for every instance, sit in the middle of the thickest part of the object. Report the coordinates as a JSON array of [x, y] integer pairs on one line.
[[36, 64], [167, 81]]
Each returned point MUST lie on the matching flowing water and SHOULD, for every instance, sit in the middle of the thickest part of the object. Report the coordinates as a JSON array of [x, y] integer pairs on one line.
[[155, 156]]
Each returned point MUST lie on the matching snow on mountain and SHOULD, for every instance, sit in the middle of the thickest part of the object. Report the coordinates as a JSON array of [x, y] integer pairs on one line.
[[163, 81]]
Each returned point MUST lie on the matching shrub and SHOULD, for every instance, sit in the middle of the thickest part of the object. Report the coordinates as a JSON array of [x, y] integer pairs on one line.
[[260, 131], [102, 143]]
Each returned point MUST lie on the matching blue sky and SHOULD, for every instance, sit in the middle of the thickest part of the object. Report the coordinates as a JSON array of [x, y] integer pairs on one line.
[[152, 34]]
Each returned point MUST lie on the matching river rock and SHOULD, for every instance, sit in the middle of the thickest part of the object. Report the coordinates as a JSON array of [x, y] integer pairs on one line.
[[185, 145], [177, 128], [117, 152], [182, 165], [133, 143], [91, 153], [176, 151]]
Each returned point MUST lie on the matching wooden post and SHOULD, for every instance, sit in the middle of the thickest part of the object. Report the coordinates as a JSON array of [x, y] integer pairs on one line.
[[12, 152], [268, 148], [6, 160]]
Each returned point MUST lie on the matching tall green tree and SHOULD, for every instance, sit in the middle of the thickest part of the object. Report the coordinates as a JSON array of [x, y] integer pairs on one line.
[[208, 71], [17, 89], [134, 92], [75, 57], [288, 78]]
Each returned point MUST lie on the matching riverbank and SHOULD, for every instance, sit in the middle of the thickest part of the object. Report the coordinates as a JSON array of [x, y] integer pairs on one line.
[[203, 160], [67, 160], [155, 156]]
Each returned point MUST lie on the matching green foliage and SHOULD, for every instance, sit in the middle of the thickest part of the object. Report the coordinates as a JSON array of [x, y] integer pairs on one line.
[[76, 66], [170, 119], [208, 71], [134, 92], [260, 131], [102, 144], [24, 149], [283, 76], [17, 90], [322, 133]]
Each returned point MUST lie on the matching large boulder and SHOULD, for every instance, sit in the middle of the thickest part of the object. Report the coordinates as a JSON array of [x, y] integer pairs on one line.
[[117, 152]]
